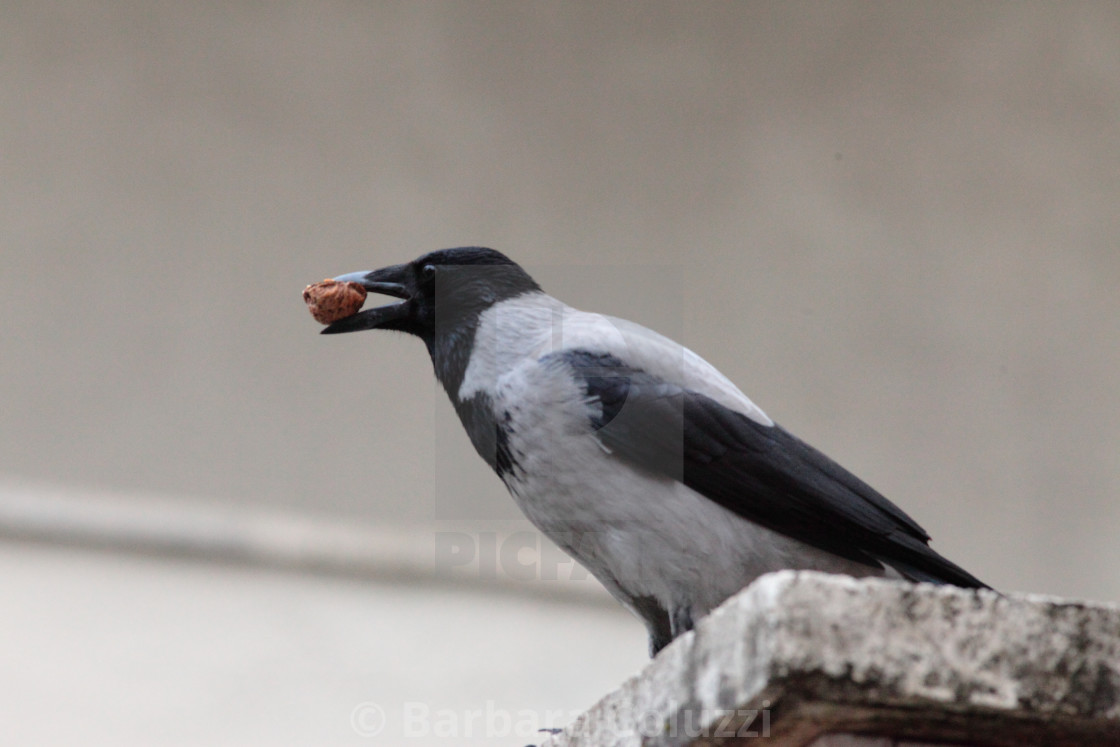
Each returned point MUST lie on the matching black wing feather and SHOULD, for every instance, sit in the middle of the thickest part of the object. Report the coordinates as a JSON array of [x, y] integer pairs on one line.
[[761, 472]]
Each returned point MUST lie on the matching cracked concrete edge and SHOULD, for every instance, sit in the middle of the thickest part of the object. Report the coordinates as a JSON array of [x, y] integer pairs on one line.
[[817, 652]]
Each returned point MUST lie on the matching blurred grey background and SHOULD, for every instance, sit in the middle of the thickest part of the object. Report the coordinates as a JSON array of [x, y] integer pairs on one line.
[[894, 225]]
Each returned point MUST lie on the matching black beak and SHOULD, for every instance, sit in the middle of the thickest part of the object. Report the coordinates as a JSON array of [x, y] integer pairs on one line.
[[388, 281]]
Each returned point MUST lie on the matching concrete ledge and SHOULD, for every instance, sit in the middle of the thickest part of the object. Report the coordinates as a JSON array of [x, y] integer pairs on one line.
[[271, 538], [799, 656]]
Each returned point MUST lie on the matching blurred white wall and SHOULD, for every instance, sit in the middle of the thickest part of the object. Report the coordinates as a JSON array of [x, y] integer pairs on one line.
[[893, 225], [101, 649]]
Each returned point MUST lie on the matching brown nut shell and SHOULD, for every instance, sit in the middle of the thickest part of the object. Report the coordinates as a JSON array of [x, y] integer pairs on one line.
[[330, 300]]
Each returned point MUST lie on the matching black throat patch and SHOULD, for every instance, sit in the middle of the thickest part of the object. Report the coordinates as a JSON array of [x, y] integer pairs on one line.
[[489, 434]]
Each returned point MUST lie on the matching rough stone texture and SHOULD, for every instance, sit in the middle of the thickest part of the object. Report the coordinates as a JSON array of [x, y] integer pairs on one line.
[[861, 740], [801, 655]]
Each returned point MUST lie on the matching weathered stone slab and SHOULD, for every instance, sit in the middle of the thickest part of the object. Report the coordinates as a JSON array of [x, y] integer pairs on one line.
[[799, 655]]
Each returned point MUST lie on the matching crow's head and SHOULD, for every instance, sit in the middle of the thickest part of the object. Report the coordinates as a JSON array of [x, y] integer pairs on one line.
[[445, 289]]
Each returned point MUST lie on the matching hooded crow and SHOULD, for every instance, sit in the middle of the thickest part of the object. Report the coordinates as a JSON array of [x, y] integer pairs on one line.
[[631, 452]]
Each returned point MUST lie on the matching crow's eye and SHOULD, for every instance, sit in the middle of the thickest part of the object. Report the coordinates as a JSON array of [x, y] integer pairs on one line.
[[428, 271]]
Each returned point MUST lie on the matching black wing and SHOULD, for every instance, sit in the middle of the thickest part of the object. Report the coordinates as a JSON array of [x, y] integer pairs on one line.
[[763, 473]]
